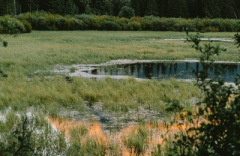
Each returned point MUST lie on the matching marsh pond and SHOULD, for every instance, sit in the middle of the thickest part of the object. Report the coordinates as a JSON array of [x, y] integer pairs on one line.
[[165, 70]]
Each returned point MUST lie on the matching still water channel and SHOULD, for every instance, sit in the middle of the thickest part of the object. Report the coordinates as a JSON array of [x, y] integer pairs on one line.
[[163, 70]]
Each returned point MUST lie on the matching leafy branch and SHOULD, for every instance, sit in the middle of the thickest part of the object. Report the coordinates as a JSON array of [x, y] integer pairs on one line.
[[20, 144]]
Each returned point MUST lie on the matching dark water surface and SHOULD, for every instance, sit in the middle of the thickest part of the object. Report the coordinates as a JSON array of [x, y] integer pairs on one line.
[[163, 70]]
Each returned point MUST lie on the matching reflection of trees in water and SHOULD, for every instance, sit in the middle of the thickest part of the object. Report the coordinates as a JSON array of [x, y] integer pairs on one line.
[[187, 66], [164, 68], [148, 70], [132, 68], [177, 70]]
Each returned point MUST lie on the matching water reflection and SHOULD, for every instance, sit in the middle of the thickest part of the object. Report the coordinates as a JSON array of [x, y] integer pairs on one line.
[[166, 70]]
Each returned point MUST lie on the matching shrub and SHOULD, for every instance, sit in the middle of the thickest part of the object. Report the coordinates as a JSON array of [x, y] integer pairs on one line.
[[121, 22], [1, 29], [80, 25], [226, 25], [215, 23], [60, 23], [41, 23], [236, 26], [27, 26], [126, 21], [198, 24], [110, 25], [211, 29], [127, 12], [171, 23], [11, 25], [69, 24], [87, 19], [134, 25], [146, 24], [159, 24], [181, 25]]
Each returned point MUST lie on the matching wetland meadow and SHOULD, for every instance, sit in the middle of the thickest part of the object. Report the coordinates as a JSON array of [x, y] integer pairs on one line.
[[71, 114]]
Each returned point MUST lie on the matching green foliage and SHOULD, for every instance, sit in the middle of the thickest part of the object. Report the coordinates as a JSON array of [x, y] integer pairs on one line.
[[219, 134], [237, 38], [71, 8], [134, 25], [175, 106], [27, 26], [162, 8], [29, 135], [110, 25], [5, 44], [20, 143], [11, 25], [126, 12], [56, 6], [46, 21]]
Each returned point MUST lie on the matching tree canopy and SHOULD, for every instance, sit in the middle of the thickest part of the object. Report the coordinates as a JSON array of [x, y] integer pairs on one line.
[[161, 8]]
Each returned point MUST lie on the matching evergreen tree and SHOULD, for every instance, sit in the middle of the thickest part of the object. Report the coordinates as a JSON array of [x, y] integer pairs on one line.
[[107, 7], [56, 6], [6, 7], [152, 8], [143, 7], [227, 9], [162, 6], [237, 8], [195, 8], [136, 6], [177, 8], [118, 4], [43, 5], [211, 8], [71, 8], [97, 7]]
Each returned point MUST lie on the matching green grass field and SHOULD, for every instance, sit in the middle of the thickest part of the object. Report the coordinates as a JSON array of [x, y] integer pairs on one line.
[[42, 50], [39, 50]]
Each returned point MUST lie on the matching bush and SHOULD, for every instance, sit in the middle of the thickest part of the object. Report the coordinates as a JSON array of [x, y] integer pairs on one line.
[[11, 25], [215, 23], [80, 25], [159, 24], [127, 12], [181, 25], [87, 19], [60, 23], [211, 29], [133, 25], [121, 22], [110, 25], [146, 24], [226, 25], [236, 26], [125, 21], [1, 29], [27, 26], [69, 24], [41, 23]]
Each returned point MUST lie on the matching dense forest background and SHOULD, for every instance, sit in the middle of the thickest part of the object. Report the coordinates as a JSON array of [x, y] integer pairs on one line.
[[161, 8]]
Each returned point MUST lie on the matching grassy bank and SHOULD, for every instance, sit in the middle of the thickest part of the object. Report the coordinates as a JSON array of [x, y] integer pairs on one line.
[[41, 50]]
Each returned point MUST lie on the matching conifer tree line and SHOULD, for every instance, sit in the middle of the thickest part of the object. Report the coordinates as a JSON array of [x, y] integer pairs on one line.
[[161, 8]]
